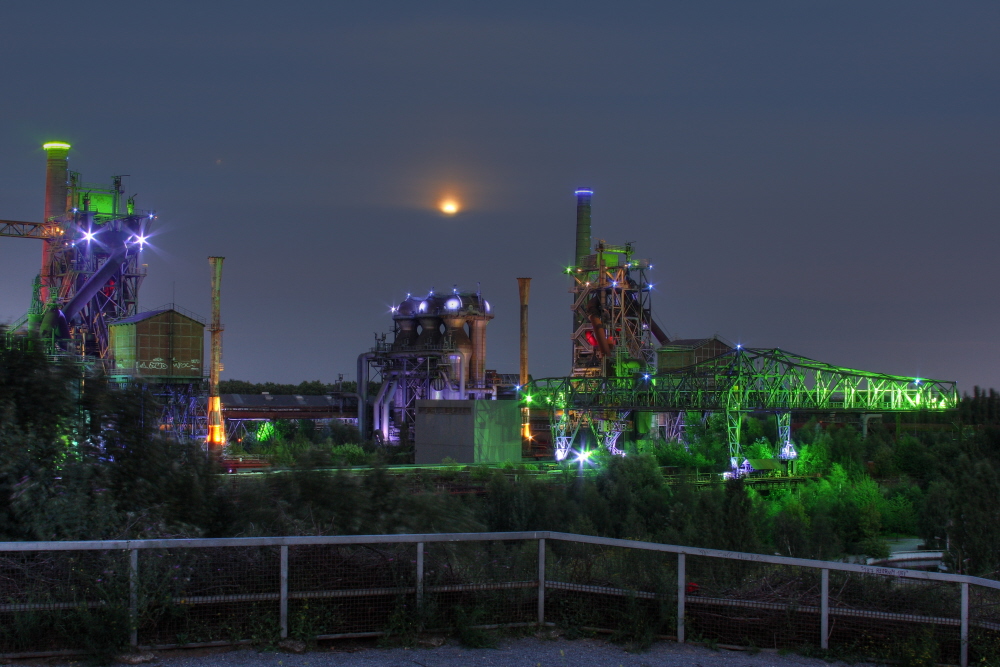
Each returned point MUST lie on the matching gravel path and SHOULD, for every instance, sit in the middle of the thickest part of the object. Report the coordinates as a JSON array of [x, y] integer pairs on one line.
[[524, 652]]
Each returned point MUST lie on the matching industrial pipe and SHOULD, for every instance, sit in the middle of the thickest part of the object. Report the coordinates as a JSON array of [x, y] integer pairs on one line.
[[583, 196], [56, 204], [602, 340], [363, 360], [658, 333], [216, 432], [477, 370], [111, 268], [523, 289], [377, 407]]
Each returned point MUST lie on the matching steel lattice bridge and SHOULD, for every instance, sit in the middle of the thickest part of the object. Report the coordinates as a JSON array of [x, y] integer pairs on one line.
[[739, 382]]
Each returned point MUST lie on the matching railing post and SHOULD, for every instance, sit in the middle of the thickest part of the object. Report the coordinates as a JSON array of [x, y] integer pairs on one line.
[[541, 581], [283, 592], [964, 659], [824, 610], [133, 597], [681, 592], [420, 574]]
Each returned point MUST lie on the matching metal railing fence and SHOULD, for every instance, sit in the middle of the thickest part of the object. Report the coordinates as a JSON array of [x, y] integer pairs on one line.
[[60, 597]]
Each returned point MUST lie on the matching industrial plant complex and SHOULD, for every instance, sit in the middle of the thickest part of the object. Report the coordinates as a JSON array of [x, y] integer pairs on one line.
[[426, 384]]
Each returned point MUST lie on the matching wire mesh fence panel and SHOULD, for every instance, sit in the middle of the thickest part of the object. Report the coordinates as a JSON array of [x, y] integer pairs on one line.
[[63, 600], [190, 596], [631, 592], [469, 584], [340, 589], [71, 597], [752, 603], [984, 625], [886, 617]]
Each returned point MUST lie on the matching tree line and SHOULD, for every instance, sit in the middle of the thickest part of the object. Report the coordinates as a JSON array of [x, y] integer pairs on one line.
[[82, 460]]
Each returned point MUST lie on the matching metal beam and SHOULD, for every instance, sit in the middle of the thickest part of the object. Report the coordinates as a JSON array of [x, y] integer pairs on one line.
[[29, 230]]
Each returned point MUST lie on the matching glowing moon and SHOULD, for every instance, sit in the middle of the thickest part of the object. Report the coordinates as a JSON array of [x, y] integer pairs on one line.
[[449, 207]]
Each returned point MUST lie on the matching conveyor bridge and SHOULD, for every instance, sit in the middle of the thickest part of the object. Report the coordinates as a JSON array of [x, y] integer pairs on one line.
[[741, 381]]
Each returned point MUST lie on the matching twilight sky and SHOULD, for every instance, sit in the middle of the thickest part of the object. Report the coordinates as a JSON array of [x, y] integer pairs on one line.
[[814, 175]]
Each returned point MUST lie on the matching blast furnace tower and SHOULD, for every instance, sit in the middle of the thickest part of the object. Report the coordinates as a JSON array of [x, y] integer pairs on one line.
[[92, 238], [438, 352], [613, 328]]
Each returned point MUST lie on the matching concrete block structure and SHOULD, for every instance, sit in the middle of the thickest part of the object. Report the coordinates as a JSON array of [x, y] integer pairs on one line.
[[467, 431]]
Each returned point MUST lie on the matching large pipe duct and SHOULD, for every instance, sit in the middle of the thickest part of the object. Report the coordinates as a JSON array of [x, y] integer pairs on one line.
[[583, 196], [363, 360], [56, 204], [455, 323], [661, 337], [216, 432], [110, 269], [477, 372], [523, 289]]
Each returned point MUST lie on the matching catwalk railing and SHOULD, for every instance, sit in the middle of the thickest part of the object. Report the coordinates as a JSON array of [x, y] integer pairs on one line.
[[63, 597]]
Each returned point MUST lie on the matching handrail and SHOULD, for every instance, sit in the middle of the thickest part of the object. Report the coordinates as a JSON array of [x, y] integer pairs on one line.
[[308, 540]]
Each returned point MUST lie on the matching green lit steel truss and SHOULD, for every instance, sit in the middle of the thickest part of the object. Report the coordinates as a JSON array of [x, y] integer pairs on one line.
[[741, 381]]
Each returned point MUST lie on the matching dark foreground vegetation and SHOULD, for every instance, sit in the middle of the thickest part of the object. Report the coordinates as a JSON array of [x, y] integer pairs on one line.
[[81, 461]]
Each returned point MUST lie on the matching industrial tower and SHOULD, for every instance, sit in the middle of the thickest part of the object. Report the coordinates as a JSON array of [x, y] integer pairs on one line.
[[617, 372], [86, 296], [92, 239], [438, 352]]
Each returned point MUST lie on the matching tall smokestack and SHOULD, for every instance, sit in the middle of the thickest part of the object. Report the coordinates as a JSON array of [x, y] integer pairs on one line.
[[583, 196], [524, 288], [56, 204], [216, 432]]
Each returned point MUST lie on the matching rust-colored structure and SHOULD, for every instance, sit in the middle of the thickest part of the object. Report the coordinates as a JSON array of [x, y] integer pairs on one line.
[[524, 290], [216, 431]]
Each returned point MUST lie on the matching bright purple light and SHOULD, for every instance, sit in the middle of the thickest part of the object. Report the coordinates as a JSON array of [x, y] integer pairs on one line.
[[584, 191], [88, 236]]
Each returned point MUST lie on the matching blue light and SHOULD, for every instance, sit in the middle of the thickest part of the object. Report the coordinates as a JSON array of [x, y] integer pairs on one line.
[[645, 376], [739, 346], [88, 236], [584, 191]]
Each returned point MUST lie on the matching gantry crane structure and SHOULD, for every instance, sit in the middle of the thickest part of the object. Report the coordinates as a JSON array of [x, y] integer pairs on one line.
[[737, 383], [616, 373]]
